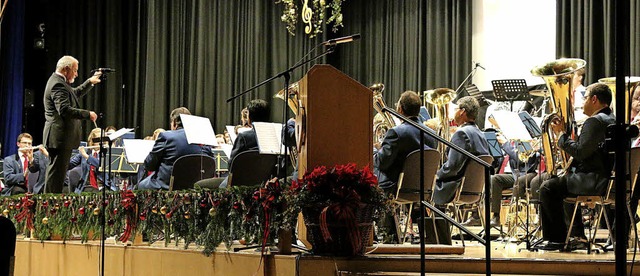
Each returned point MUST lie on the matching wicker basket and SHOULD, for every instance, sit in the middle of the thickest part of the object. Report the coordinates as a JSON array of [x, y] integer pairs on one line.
[[340, 242]]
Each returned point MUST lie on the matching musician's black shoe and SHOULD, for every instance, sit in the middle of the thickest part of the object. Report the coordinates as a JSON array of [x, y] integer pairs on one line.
[[553, 246], [495, 221]]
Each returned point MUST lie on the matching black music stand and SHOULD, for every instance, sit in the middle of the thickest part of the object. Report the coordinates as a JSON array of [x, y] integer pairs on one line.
[[495, 149], [222, 161], [119, 163], [531, 125], [473, 91], [510, 90]]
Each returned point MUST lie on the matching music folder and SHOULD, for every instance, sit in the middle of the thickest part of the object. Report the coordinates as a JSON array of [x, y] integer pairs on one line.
[[495, 149], [232, 133], [136, 150], [269, 136], [511, 126], [198, 130]]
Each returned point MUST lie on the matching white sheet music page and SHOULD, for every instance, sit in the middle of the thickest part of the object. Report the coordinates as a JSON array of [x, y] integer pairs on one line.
[[136, 150], [511, 126], [232, 133], [198, 130], [119, 133], [269, 137]]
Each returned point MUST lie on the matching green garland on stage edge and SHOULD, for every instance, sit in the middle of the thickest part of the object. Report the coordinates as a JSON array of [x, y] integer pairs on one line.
[[204, 217]]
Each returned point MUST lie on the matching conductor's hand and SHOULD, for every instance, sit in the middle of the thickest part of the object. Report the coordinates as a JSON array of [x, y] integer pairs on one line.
[[96, 77], [93, 116]]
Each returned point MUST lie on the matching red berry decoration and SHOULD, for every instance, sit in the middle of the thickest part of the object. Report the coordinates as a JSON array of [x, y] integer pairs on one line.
[[67, 203], [81, 210]]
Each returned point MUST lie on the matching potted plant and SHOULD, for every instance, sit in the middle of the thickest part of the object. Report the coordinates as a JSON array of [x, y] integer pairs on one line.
[[339, 205]]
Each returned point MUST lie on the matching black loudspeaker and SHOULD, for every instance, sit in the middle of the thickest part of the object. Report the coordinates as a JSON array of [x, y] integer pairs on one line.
[[28, 98]]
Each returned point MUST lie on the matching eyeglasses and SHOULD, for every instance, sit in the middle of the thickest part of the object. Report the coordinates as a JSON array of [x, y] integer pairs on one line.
[[586, 97]]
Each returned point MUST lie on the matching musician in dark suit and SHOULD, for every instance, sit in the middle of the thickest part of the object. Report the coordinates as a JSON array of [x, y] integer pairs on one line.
[[399, 141], [169, 146], [468, 137], [91, 178], [247, 140], [24, 171], [62, 128], [589, 172]]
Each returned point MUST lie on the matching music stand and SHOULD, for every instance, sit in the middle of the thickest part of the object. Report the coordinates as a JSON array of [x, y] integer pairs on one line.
[[531, 125], [119, 163], [222, 161], [510, 90], [473, 91], [495, 149]]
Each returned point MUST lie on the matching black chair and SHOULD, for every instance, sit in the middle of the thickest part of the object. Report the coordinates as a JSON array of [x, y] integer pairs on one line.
[[8, 245], [251, 168], [189, 169]]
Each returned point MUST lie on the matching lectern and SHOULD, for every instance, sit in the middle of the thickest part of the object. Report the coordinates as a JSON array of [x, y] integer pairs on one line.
[[334, 121]]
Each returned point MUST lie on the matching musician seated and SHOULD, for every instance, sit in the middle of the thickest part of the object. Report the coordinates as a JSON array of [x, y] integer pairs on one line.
[[169, 146], [588, 174], [85, 175], [521, 173], [398, 142], [18, 167], [258, 111], [469, 137]]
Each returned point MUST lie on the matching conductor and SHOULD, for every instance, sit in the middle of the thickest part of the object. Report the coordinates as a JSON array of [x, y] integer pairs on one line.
[[62, 128]]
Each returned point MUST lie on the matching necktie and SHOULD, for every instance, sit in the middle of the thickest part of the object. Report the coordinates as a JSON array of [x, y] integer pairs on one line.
[[93, 181], [25, 165]]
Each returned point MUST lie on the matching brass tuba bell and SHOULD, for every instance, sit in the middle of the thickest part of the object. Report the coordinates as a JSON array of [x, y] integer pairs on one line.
[[440, 99], [558, 75], [630, 86], [292, 98], [382, 121]]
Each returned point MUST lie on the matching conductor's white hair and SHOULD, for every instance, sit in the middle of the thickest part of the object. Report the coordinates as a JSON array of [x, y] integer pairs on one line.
[[65, 61]]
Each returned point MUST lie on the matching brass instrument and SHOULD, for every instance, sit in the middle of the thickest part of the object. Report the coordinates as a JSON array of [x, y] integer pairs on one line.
[[558, 75], [440, 99], [382, 121], [293, 102], [630, 86]]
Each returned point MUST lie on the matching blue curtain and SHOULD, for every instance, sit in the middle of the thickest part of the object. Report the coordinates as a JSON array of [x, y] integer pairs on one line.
[[12, 75]]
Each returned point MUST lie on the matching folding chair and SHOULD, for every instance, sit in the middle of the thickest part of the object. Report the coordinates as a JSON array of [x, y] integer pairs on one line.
[[409, 182], [189, 169]]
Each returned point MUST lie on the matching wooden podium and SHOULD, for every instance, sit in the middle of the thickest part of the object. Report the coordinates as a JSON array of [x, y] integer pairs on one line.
[[334, 122]]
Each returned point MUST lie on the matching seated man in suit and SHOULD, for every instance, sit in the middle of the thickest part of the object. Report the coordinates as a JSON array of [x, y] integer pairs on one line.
[[468, 137], [169, 146], [86, 164], [588, 174], [25, 171], [399, 141]]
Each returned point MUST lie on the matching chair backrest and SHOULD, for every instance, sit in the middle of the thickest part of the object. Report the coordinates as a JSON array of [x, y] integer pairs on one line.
[[409, 180], [472, 185], [189, 169], [251, 168]]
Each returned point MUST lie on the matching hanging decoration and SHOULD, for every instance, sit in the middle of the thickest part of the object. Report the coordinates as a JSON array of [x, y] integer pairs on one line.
[[313, 14]]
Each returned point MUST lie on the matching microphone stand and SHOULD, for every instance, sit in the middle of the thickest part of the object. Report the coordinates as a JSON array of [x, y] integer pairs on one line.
[[473, 72], [286, 74], [487, 195]]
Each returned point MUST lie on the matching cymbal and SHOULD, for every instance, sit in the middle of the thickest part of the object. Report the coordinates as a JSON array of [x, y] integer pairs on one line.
[[539, 93]]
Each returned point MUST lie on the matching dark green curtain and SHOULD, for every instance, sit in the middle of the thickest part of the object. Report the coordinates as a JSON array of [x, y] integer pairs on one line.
[[586, 29], [408, 45], [199, 53]]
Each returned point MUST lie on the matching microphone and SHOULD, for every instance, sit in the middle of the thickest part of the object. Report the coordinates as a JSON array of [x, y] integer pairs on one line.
[[478, 65], [339, 40], [104, 70]]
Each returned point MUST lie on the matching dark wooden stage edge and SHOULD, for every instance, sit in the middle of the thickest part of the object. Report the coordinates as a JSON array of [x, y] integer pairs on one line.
[[55, 258]]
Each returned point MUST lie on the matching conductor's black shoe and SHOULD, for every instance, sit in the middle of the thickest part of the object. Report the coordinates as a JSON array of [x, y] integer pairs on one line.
[[553, 246], [472, 222]]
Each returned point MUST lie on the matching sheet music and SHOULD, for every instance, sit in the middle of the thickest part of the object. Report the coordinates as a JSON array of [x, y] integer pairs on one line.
[[136, 150], [198, 130], [226, 149], [269, 137], [232, 133], [511, 126], [119, 133]]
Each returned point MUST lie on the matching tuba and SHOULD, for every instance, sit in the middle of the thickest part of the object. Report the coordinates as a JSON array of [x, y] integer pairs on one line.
[[293, 103], [382, 121], [558, 75], [630, 86], [440, 99]]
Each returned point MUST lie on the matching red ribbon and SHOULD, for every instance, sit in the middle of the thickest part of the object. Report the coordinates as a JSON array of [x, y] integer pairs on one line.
[[128, 203], [344, 212], [26, 212]]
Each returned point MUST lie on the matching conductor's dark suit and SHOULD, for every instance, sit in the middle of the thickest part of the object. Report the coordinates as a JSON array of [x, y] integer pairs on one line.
[[449, 176], [591, 170], [14, 174], [62, 128], [397, 144], [169, 146]]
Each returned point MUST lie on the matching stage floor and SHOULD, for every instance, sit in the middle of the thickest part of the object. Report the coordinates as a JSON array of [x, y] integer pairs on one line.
[[74, 258]]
